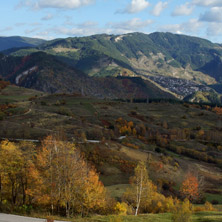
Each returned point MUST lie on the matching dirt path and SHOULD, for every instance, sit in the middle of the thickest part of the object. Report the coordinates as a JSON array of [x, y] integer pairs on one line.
[[15, 218]]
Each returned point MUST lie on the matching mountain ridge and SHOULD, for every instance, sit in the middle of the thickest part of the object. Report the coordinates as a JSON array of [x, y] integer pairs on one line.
[[157, 56], [8, 42]]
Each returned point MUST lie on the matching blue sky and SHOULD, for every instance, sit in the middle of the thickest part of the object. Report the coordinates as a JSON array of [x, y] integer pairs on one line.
[[50, 19]]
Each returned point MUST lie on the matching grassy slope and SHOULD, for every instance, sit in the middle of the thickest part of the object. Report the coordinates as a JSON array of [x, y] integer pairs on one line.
[[85, 114]]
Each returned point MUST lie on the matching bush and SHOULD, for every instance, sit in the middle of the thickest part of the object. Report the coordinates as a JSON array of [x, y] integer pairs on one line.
[[158, 150], [182, 212], [43, 103], [121, 208], [215, 202], [64, 111], [208, 206], [94, 134], [1, 115]]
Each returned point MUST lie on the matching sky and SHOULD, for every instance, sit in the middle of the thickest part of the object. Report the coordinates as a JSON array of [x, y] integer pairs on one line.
[[50, 19]]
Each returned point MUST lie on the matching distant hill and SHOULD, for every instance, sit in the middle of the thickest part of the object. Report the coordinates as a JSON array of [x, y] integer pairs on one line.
[[46, 73], [18, 42]]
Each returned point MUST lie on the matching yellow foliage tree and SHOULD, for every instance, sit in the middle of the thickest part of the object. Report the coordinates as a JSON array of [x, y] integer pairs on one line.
[[67, 179], [141, 189], [11, 170]]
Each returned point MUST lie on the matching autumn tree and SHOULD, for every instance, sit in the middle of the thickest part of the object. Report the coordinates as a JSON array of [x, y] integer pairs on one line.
[[11, 165], [68, 181], [190, 188], [141, 188]]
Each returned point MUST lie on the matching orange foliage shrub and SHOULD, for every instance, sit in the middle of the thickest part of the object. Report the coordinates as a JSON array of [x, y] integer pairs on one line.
[[190, 188], [131, 145], [3, 84], [217, 110]]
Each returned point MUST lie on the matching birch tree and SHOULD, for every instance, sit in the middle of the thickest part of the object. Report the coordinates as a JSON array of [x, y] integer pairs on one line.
[[141, 188]]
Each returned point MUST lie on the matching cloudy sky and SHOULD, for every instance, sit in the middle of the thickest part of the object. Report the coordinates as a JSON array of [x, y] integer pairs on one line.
[[50, 19]]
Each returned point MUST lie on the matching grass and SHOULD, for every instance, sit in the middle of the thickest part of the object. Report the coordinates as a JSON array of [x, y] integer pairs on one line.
[[117, 190], [166, 217], [161, 217], [210, 197], [207, 217], [17, 94], [139, 218]]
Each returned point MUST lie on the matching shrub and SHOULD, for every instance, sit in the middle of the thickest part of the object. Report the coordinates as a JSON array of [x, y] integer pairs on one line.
[[215, 202], [121, 208], [43, 103], [182, 212], [208, 206], [64, 111]]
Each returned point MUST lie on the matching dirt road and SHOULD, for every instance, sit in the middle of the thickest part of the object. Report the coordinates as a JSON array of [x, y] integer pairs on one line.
[[15, 218]]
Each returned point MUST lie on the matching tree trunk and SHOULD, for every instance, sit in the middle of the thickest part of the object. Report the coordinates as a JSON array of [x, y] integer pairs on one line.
[[139, 193], [24, 186], [67, 210]]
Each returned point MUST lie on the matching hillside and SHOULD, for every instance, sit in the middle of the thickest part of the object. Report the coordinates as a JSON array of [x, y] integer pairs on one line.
[[156, 56], [18, 42], [46, 73], [114, 135]]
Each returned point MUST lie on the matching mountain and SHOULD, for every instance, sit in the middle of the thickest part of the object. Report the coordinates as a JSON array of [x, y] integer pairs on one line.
[[18, 42], [155, 54], [46, 73], [159, 57]]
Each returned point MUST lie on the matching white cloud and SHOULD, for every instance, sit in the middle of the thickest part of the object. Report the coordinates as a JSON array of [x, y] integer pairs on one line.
[[43, 35], [35, 24], [206, 3], [76, 31], [135, 6], [159, 7], [18, 24], [214, 30], [185, 9], [134, 24], [174, 28], [29, 31], [81, 29], [47, 17], [6, 29], [212, 15], [24, 3], [87, 24], [92, 28], [62, 4], [192, 26]]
